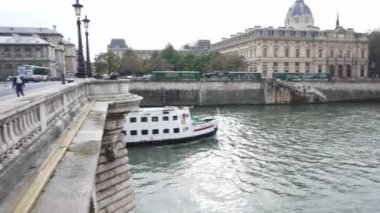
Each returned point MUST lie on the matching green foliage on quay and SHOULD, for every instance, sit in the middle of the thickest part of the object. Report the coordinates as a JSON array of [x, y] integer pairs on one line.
[[167, 59]]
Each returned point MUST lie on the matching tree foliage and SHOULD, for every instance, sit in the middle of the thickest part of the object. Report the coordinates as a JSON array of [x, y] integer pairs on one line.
[[167, 59]]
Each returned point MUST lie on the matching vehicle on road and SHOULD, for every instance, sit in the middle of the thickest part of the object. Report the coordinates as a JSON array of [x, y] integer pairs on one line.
[[34, 73]]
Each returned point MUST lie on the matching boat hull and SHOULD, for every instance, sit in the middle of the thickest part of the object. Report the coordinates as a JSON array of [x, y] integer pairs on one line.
[[171, 141]]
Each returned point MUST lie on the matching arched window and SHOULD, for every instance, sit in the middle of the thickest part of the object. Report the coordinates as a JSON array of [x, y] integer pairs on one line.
[[340, 71], [348, 71], [332, 70]]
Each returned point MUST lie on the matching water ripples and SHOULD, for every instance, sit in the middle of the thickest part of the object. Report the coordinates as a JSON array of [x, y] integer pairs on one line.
[[268, 159]]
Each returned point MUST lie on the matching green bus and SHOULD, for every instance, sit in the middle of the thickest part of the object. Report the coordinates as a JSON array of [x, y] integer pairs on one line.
[[176, 75], [302, 76], [244, 76], [34, 73]]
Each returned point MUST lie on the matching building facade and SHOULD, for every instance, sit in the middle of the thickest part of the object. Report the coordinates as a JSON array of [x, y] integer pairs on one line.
[[119, 47], [198, 47], [300, 47], [35, 46]]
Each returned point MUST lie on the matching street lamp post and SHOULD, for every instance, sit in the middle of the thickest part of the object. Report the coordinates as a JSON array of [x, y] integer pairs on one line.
[[86, 22], [62, 65], [81, 70]]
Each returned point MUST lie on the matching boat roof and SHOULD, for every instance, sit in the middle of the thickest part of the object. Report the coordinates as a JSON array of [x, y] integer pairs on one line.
[[154, 109]]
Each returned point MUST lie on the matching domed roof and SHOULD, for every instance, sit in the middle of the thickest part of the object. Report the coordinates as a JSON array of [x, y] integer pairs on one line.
[[299, 16], [299, 8]]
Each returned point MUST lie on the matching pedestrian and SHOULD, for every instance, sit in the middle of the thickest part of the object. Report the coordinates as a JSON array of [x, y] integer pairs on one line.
[[19, 83]]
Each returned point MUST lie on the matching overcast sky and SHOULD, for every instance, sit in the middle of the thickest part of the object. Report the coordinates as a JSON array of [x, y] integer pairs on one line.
[[151, 24]]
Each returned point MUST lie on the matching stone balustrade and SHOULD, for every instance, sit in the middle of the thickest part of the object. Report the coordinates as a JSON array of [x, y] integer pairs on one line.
[[23, 121], [30, 124]]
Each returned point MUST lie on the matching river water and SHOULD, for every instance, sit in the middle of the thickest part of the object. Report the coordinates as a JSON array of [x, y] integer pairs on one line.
[[298, 158]]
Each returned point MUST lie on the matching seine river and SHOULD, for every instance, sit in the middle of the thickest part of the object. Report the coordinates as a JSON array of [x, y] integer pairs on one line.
[[299, 158]]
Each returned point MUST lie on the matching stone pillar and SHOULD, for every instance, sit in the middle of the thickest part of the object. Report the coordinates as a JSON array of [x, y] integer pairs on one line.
[[114, 190]]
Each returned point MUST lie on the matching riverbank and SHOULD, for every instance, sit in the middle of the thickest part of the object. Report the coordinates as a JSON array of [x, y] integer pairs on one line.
[[202, 93]]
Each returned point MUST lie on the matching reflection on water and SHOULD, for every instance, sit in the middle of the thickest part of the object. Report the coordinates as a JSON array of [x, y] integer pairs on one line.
[[317, 158]]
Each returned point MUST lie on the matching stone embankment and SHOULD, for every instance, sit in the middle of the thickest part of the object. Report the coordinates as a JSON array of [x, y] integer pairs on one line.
[[200, 93]]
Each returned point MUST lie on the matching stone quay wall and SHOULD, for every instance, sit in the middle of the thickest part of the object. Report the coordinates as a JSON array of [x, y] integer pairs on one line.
[[203, 93]]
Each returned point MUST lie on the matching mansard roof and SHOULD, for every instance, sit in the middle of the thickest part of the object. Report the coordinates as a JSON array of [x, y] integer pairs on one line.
[[117, 43], [30, 40], [28, 30]]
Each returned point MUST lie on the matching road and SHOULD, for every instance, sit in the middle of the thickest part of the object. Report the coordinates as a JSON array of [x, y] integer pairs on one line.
[[7, 92]]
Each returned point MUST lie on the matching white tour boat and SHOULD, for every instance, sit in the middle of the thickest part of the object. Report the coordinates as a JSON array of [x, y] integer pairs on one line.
[[165, 125]]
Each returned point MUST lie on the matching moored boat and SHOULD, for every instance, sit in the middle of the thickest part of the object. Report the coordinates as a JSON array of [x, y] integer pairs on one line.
[[166, 125]]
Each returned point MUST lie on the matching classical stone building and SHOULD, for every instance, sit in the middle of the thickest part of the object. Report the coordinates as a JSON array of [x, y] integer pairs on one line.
[[119, 47], [35, 46], [198, 47], [300, 47]]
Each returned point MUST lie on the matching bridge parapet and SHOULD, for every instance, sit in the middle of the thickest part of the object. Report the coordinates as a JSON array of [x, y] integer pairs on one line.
[[24, 120], [32, 123]]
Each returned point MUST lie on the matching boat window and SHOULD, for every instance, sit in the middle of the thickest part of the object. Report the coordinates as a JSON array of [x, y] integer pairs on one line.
[[133, 132], [155, 132], [176, 130], [175, 117], [144, 132], [133, 120], [154, 119], [185, 129], [144, 119], [165, 118], [166, 131]]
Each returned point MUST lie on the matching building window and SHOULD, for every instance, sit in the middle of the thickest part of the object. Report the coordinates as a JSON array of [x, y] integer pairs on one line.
[[275, 66], [297, 70], [144, 119], [348, 71], [331, 53], [275, 52], [319, 68], [133, 132], [286, 52], [286, 64], [265, 51], [166, 131], [297, 64], [176, 130], [165, 118], [363, 53], [28, 52], [286, 70], [7, 52], [362, 71], [155, 119], [320, 53], [297, 53], [340, 54], [308, 53], [307, 64], [349, 53], [144, 132], [17, 52], [155, 132], [133, 120], [175, 117]]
